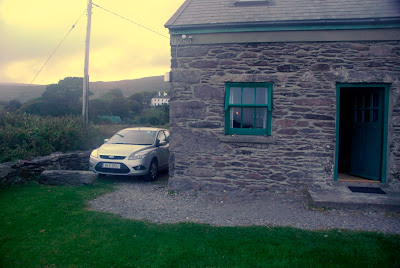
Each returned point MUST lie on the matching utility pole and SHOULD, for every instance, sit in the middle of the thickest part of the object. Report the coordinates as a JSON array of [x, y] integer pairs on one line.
[[85, 96]]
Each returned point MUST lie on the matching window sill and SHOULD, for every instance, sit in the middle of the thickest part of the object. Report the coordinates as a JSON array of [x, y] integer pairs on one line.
[[247, 139]]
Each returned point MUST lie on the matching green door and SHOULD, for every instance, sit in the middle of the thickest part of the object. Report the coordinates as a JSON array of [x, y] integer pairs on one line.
[[367, 131]]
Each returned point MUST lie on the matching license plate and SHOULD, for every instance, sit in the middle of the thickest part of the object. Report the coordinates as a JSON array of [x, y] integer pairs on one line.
[[108, 165]]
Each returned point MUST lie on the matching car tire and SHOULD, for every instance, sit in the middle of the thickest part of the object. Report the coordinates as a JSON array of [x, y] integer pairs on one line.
[[153, 171]]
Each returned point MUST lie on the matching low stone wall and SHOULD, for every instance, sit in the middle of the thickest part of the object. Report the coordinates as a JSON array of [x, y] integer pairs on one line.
[[25, 170]]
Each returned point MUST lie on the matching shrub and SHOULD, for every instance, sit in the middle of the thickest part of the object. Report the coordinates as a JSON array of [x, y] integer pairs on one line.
[[157, 116], [24, 136]]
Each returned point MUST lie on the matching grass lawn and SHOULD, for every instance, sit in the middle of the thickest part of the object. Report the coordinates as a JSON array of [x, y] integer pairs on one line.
[[49, 226]]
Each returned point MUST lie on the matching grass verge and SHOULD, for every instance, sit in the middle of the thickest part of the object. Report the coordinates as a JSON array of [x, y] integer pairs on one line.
[[49, 226]]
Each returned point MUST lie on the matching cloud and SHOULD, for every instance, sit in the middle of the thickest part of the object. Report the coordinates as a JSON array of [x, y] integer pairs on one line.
[[31, 30]]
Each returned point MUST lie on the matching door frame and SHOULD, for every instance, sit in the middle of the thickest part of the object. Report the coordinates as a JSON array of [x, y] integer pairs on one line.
[[386, 87]]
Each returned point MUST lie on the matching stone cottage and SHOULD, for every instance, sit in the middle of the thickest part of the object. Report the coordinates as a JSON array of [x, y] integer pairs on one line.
[[282, 95]]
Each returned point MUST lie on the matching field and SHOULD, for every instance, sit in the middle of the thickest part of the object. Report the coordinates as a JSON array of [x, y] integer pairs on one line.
[[46, 226]]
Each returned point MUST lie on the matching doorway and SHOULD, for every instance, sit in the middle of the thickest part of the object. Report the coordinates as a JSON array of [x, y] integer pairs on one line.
[[361, 132]]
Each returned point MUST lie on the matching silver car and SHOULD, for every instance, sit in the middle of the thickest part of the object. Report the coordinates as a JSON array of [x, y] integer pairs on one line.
[[132, 151]]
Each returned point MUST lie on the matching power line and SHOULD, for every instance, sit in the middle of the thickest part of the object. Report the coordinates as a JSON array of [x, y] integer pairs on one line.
[[73, 26], [130, 21]]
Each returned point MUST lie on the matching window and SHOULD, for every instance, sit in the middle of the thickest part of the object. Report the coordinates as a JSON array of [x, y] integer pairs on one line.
[[251, 3], [248, 108]]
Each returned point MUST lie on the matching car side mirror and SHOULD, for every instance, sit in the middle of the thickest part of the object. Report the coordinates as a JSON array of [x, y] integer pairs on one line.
[[106, 140], [161, 143]]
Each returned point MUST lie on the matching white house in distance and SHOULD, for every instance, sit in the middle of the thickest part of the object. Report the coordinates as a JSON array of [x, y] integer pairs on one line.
[[160, 99]]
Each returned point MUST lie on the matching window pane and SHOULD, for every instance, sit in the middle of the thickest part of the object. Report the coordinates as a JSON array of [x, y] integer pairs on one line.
[[261, 118], [261, 95], [359, 102], [376, 100], [235, 96], [359, 119], [248, 95], [367, 101], [248, 118], [367, 115], [375, 115], [235, 118]]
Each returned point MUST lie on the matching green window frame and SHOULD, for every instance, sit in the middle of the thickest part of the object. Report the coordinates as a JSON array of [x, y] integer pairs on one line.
[[248, 108]]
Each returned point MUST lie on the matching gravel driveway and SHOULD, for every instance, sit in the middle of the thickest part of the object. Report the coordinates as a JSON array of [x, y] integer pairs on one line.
[[140, 200]]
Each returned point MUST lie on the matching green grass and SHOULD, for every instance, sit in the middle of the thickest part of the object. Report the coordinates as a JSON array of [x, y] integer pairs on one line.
[[45, 226]]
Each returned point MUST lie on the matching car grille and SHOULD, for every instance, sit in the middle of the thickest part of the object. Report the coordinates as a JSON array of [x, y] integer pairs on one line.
[[116, 157], [123, 170]]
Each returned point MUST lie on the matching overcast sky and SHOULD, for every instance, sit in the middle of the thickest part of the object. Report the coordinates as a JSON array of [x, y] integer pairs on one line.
[[31, 29]]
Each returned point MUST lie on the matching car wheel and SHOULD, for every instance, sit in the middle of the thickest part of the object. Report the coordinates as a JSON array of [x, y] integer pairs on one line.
[[153, 171]]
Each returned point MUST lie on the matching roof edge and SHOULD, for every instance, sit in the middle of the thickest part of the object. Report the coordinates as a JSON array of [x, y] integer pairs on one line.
[[177, 13], [324, 22]]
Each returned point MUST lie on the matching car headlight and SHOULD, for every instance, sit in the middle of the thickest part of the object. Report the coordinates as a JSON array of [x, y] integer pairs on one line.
[[139, 155], [95, 153]]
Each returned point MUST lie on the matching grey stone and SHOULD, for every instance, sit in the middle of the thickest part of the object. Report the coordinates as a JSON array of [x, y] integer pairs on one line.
[[186, 76], [259, 63], [321, 67], [22, 170], [249, 55], [319, 117], [192, 51], [67, 177], [208, 92], [200, 172], [380, 51], [203, 64], [5, 170], [205, 124], [288, 68], [227, 55], [189, 109]]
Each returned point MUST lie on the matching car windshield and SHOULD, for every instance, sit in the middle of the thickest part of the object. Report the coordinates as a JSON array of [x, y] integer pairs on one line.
[[135, 137]]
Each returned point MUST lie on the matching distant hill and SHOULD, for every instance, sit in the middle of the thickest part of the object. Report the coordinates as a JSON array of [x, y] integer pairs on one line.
[[129, 87], [9, 91], [20, 92]]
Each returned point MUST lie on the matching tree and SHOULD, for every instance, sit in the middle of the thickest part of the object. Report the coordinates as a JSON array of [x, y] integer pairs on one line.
[[115, 103], [12, 105], [59, 99], [97, 107], [140, 101]]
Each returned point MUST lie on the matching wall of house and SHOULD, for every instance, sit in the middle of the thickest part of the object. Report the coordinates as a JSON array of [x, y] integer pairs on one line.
[[300, 152]]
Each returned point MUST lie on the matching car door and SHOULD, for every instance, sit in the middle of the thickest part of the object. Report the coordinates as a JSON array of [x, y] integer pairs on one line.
[[162, 150]]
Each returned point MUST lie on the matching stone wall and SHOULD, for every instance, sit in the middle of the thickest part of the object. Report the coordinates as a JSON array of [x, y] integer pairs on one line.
[[24, 170], [300, 152]]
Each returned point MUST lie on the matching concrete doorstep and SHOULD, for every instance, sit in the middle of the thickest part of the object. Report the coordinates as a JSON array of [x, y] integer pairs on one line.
[[341, 197]]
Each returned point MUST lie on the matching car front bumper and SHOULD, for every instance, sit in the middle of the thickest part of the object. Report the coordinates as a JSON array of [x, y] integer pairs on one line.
[[137, 167]]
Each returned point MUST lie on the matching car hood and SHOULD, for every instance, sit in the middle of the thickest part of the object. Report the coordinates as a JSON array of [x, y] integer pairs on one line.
[[121, 149]]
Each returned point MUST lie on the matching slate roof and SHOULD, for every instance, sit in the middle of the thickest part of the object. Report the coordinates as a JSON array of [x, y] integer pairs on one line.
[[206, 13]]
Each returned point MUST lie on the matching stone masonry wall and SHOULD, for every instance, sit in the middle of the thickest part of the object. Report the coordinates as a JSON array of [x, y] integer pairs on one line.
[[300, 151], [26, 170]]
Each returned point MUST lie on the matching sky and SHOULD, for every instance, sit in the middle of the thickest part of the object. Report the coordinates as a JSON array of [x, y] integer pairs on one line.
[[31, 30]]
